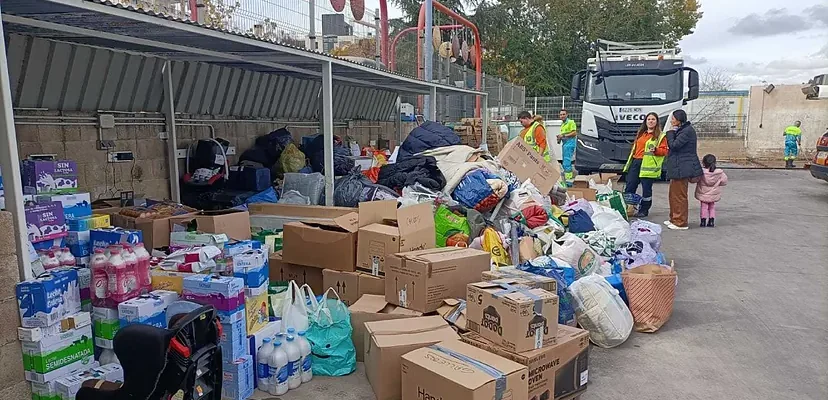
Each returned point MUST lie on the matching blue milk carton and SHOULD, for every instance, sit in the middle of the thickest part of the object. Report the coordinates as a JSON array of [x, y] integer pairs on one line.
[[105, 237], [234, 335], [237, 379], [251, 267], [148, 309], [49, 298], [75, 206], [79, 243]]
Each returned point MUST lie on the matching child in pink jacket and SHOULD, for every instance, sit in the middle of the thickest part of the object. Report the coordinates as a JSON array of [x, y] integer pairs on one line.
[[709, 189]]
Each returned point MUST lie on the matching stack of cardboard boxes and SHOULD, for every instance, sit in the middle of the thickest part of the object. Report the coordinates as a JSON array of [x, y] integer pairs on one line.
[[470, 131]]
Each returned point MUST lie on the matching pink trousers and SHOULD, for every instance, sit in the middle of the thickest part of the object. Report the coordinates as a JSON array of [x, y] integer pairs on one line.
[[708, 210]]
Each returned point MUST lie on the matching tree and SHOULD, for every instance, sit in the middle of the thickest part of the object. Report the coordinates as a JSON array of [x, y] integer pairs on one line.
[[711, 114], [220, 14], [365, 48]]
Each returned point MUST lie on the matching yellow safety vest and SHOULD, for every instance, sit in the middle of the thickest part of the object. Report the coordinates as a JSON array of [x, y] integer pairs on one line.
[[651, 163], [529, 138]]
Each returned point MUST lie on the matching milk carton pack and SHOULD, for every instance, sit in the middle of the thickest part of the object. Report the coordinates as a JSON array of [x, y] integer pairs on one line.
[[75, 206], [225, 293], [148, 309], [48, 299], [255, 306], [68, 386], [45, 221], [105, 324], [252, 267], [238, 379], [49, 177], [102, 238], [94, 221], [79, 243], [55, 356], [84, 285], [46, 390], [71, 322], [234, 335]]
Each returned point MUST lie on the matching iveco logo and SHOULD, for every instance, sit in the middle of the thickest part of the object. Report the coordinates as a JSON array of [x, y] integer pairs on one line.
[[632, 117]]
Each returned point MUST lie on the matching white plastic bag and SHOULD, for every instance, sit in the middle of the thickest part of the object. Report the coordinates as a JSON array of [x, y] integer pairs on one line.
[[577, 253], [295, 309], [613, 224], [600, 310]]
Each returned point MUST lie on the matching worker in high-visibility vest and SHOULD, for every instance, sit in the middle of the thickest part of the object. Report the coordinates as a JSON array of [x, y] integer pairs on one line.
[[534, 133], [793, 141], [645, 161], [567, 139]]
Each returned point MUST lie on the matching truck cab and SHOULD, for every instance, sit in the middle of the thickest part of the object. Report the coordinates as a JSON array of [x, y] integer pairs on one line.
[[621, 85]]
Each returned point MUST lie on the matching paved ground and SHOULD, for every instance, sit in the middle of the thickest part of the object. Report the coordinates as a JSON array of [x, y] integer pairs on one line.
[[751, 315]]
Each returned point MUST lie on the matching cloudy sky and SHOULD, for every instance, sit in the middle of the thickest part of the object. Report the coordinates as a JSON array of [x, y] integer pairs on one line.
[[777, 41]]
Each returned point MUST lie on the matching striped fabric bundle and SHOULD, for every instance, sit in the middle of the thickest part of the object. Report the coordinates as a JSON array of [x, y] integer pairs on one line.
[[651, 290]]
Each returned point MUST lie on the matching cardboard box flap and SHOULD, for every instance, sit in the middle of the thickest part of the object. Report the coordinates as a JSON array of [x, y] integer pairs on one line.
[[440, 254], [415, 218], [468, 366], [375, 212], [314, 233], [454, 311], [298, 211], [371, 303], [399, 332]]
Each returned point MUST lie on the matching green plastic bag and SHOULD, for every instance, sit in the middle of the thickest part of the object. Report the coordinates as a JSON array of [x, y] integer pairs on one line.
[[329, 334], [452, 230], [614, 200], [292, 159]]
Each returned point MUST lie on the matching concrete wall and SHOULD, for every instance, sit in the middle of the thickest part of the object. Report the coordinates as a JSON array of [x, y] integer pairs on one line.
[[784, 105], [148, 175], [12, 384]]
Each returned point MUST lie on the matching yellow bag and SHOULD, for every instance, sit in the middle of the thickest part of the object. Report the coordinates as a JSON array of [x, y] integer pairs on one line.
[[292, 159], [491, 243]]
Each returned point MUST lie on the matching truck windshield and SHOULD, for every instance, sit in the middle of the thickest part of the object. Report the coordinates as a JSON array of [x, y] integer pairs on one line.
[[636, 89]]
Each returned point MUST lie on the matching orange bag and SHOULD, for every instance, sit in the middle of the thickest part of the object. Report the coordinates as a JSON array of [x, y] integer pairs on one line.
[[651, 290]]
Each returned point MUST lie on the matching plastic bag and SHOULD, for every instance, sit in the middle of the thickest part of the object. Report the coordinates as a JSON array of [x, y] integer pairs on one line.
[[577, 253], [452, 229], [374, 192], [614, 200], [637, 253], [646, 231], [329, 335], [310, 185], [292, 159], [579, 204], [564, 275], [601, 311], [600, 241], [613, 224], [294, 307], [294, 197], [492, 241], [480, 190], [348, 189]]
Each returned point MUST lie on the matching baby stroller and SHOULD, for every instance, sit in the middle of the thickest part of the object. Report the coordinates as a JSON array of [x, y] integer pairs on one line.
[[184, 359]]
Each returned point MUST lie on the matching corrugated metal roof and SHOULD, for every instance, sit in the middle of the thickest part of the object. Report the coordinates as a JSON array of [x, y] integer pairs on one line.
[[69, 77]]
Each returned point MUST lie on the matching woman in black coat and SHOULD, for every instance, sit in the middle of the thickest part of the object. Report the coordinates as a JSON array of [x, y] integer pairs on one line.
[[682, 165]]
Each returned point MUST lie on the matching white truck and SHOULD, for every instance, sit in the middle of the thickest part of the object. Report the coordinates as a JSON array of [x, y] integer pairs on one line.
[[621, 85]]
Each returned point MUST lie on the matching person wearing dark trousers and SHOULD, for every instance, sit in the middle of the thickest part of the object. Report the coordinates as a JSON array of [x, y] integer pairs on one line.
[[645, 161], [682, 165]]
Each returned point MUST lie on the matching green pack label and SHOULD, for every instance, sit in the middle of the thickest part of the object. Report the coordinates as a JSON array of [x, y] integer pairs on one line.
[[46, 362], [106, 328]]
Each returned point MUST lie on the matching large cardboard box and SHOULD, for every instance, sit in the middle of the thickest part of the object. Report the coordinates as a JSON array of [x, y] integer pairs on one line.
[[526, 163], [369, 308], [583, 193], [516, 276], [233, 223], [456, 370], [560, 369], [156, 231], [275, 216], [387, 341], [330, 244], [384, 230], [420, 280], [350, 286], [517, 318], [280, 271]]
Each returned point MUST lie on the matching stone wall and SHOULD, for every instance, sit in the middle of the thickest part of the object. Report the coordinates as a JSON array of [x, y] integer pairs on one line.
[[12, 384], [776, 110], [148, 175]]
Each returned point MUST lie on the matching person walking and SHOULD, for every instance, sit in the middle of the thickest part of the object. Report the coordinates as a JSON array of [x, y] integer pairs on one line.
[[709, 190], [569, 130], [533, 133], [645, 161], [793, 142], [682, 165]]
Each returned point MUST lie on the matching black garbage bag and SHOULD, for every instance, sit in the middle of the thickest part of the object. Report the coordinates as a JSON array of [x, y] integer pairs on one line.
[[267, 149], [349, 188], [416, 169], [315, 151]]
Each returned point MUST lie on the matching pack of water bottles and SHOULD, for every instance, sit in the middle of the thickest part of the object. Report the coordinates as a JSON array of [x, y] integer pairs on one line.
[[284, 362]]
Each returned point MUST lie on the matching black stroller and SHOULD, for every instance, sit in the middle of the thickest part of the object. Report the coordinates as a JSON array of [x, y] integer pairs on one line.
[[184, 359]]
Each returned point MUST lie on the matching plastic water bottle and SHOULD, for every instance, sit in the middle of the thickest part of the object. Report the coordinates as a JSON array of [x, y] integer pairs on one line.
[[108, 357], [294, 361], [66, 258], [100, 279], [279, 370], [131, 282], [307, 359], [263, 364], [142, 269]]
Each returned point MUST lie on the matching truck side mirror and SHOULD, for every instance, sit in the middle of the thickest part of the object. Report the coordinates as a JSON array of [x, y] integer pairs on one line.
[[692, 84], [577, 80]]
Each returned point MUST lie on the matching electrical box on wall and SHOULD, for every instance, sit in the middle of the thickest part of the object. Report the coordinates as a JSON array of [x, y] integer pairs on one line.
[[106, 121], [120, 156]]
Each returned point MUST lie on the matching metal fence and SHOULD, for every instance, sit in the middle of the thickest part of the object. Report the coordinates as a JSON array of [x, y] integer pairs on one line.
[[722, 127], [550, 107]]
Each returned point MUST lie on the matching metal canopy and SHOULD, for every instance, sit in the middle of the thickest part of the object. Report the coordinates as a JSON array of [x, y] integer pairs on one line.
[[104, 24]]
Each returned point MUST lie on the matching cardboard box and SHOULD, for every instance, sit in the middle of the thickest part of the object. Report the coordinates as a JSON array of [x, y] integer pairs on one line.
[[280, 271], [454, 312], [385, 229], [49, 177], [420, 280], [526, 163], [238, 378], [330, 244], [274, 216], [515, 276], [88, 223], [233, 223], [156, 231], [75, 206], [48, 299], [251, 267], [79, 243], [224, 293], [387, 341], [256, 308], [456, 370], [150, 309], [58, 355], [106, 206], [350, 286], [233, 339], [105, 324], [582, 181], [369, 308], [517, 318], [104, 237], [68, 386], [169, 280], [559, 370], [71, 322], [45, 221], [582, 193]]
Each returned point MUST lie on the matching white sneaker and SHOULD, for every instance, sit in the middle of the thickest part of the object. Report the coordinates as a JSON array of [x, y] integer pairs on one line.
[[668, 223], [675, 227]]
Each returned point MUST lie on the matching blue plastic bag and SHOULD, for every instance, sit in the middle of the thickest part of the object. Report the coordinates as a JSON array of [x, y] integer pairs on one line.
[[329, 334], [580, 222], [564, 275]]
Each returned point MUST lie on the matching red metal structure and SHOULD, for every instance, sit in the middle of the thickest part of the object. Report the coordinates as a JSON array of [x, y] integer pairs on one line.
[[392, 55]]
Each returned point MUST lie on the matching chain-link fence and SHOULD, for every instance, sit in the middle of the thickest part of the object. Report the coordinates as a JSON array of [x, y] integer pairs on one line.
[[550, 107]]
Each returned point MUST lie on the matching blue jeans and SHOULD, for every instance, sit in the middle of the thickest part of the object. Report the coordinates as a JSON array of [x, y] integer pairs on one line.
[[633, 180]]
